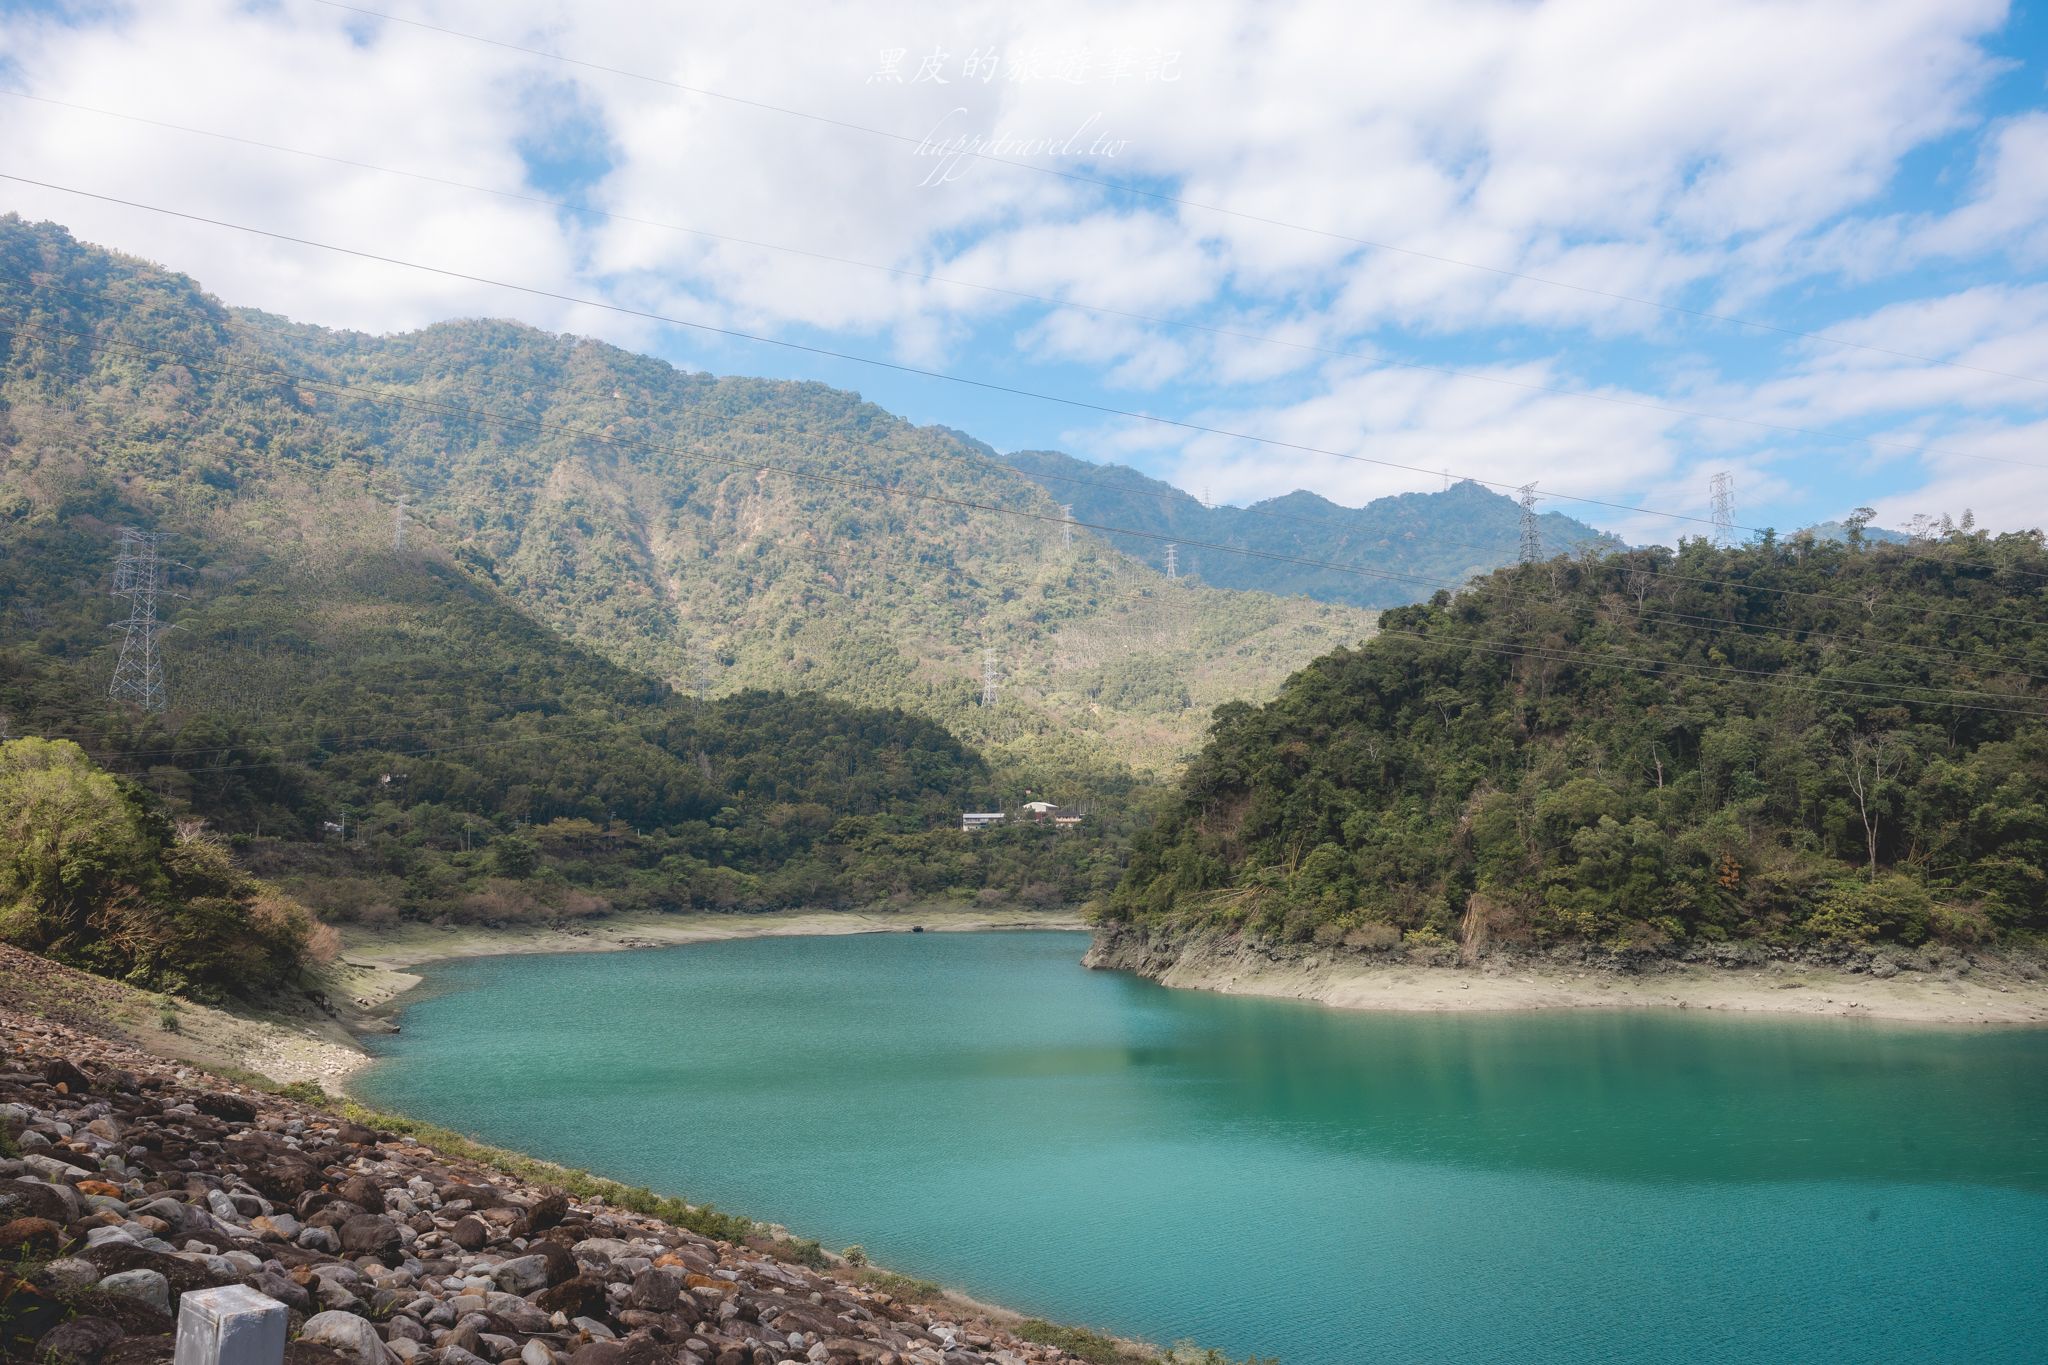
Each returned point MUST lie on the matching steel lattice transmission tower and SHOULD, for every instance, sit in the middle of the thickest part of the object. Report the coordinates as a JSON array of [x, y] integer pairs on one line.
[[988, 677], [1724, 508], [398, 525], [1173, 561], [1066, 526], [138, 576], [1532, 533]]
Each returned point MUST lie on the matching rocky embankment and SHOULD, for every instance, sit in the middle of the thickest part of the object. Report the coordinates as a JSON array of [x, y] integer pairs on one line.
[[127, 1181], [1931, 984]]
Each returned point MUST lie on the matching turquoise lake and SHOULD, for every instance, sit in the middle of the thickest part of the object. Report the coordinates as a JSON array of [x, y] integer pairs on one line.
[[1329, 1187]]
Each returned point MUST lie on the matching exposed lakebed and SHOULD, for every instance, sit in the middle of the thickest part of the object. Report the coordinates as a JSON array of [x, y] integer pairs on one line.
[[1328, 1186]]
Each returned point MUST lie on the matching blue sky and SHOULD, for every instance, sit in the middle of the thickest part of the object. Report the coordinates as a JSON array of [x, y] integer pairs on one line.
[[1876, 171]]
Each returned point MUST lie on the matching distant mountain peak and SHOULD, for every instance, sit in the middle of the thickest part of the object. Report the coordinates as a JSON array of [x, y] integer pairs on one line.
[[1390, 552]]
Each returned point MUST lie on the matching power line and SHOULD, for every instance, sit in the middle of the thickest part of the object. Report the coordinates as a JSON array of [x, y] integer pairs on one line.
[[829, 353], [1377, 358], [537, 425], [1162, 196]]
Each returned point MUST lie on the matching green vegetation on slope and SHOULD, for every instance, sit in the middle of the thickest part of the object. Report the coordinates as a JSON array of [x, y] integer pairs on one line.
[[1795, 742], [611, 495], [449, 758], [1409, 545], [497, 722], [91, 874]]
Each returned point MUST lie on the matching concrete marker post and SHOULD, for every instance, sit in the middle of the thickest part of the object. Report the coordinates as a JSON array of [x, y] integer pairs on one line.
[[232, 1325]]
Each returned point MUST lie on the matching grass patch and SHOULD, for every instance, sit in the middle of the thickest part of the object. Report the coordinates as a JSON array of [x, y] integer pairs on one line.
[[1093, 1347], [902, 1286], [1187, 1353], [801, 1250]]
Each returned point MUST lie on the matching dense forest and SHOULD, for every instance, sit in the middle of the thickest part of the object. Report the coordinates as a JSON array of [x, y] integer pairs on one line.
[[426, 749], [1397, 550], [1797, 742]]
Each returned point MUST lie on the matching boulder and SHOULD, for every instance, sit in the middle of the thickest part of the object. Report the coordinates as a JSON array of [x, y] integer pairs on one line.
[[30, 1311], [547, 1211], [81, 1341], [522, 1275], [33, 1236], [284, 1175], [233, 1108], [371, 1234], [580, 1297], [355, 1338], [38, 1199], [560, 1264], [470, 1232], [70, 1274], [63, 1072], [149, 1286], [653, 1291], [363, 1193]]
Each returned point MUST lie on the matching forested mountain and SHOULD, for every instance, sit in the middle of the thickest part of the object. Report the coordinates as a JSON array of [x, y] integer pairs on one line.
[[1403, 548], [1799, 742], [635, 508], [500, 717]]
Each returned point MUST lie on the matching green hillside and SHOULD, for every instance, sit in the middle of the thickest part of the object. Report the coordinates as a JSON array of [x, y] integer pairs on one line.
[[1800, 742], [1409, 546], [621, 501]]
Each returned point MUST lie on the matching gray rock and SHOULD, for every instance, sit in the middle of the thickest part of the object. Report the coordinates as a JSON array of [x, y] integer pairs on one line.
[[352, 1336], [81, 1339], [371, 1234], [71, 1274], [522, 1275], [654, 1290], [275, 1227], [470, 1233], [536, 1353], [147, 1285]]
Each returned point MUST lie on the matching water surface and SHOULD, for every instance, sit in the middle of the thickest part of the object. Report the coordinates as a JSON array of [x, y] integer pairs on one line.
[[1330, 1187]]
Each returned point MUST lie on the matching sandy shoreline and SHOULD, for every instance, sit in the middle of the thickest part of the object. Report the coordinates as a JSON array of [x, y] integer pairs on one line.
[[1962, 994]]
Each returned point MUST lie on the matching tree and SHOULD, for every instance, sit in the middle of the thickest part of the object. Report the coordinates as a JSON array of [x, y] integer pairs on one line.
[[69, 841], [1870, 760]]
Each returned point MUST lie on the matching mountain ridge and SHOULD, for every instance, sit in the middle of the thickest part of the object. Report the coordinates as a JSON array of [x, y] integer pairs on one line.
[[1394, 551]]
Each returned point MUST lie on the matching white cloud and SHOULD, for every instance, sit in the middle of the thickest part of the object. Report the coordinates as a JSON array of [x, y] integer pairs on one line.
[[1713, 154]]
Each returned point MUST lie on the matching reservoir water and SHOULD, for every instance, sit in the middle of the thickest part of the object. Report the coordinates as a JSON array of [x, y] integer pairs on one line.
[[1333, 1188]]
